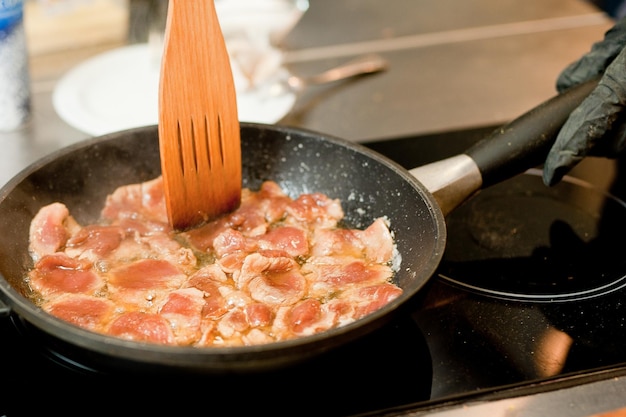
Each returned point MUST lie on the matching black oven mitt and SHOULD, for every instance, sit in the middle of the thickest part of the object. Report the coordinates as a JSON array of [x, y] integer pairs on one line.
[[596, 127]]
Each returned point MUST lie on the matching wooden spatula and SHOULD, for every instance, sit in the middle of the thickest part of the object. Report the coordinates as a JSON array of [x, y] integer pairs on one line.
[[199, 135]]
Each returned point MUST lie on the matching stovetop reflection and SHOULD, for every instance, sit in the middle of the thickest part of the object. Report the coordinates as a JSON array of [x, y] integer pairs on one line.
[[530, 288], [389, 367]]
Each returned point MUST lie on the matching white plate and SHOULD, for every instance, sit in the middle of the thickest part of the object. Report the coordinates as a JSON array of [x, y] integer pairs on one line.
[[118, 90]]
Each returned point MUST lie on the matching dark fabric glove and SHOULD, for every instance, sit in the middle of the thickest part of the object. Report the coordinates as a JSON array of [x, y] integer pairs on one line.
[[597, 127]]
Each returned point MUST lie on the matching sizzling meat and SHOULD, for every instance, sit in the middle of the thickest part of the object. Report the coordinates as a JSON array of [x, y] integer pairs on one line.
[[274, 269]]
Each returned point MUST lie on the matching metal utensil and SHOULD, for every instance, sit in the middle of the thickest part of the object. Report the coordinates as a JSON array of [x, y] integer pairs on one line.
[[362, 65], [199, 133]]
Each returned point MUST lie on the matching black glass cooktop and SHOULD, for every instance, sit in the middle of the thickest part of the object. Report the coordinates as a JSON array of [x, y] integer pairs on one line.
[[531, 288], [531, 285]]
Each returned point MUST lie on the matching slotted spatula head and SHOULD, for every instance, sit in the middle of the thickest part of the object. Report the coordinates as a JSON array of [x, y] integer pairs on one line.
[[199, 134]]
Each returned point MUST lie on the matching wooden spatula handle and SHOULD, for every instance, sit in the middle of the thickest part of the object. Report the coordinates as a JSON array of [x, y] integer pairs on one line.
[[198, 121]]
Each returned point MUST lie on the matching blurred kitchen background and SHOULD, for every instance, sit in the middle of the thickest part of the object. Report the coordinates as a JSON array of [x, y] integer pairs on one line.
[[452, 65], [61, 33]]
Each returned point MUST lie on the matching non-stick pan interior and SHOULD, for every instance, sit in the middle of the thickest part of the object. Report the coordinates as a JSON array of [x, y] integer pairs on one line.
[[81, 176]]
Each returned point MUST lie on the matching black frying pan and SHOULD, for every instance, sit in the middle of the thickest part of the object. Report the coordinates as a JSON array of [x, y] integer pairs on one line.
[[368, 184]]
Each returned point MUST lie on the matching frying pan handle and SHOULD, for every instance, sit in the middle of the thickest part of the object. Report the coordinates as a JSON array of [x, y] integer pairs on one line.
[[524, 143], [510, 150]]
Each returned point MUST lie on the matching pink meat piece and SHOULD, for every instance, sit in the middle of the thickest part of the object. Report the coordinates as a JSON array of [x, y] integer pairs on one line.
[[375, 243], [214, 304], [315, 209], [309, 317], [235, 298], [336, 273], [144, 200], [233, 324], [143, 285], [278, 287], [183, 310], [366, 300], [208, 280], [142, 327], [249, 218], [185, 302], [343, 242], [142, 227], [291, 240], [91, 313], [258, 314], [275, 201], [163, 247], [202, 237], [48, 230], [207, 274], [130, 249], [378, 241], [110, 246], [96, 240], [274, 281], [59, 274], [232, 241], [259, 209], [146, 274], [232, 263]]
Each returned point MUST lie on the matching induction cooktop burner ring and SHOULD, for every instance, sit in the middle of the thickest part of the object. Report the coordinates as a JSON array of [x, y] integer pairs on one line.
[[520, 240], [541, 298]]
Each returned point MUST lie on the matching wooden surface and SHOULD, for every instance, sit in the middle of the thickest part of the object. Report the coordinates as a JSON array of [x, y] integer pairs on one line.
[[77, 24]]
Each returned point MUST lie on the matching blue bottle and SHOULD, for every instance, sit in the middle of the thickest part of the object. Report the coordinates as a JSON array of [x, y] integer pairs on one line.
[[15, 97]]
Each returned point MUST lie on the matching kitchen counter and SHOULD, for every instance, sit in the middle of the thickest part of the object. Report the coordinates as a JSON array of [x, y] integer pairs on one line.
[[484, 64]]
